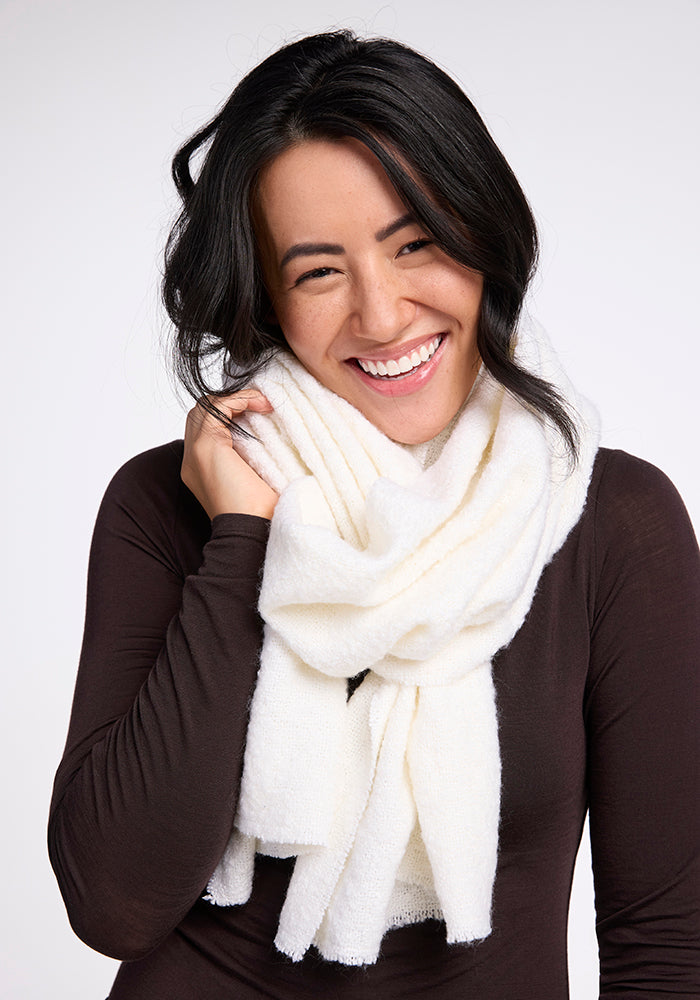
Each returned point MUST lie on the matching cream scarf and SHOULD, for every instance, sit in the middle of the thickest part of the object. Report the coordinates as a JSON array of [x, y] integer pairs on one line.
[[390, 800]]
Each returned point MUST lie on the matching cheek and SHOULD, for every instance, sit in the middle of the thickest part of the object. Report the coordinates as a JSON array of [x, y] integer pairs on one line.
[[451, 290], [466, 291], [309, 328]]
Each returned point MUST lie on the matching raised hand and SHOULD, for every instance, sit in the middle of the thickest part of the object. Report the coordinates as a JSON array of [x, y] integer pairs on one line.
[[213, 470]]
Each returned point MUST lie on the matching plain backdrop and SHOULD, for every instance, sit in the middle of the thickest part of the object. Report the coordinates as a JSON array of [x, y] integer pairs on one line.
[[594, 104]]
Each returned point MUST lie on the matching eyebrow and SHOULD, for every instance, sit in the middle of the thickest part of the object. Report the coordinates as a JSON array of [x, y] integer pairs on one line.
[[310, 249], [394, 227]]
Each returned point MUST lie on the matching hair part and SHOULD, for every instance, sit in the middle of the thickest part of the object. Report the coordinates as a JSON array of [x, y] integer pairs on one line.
[[436, 151]]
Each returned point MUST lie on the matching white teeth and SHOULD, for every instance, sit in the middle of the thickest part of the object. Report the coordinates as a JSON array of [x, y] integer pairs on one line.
[[403, 364]]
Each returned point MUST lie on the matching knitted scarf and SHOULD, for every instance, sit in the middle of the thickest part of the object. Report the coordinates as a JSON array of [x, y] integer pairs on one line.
[[389, 799]]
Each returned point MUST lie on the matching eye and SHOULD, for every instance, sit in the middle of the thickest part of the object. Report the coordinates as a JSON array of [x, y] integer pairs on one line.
[[414, 246], [316, 272]]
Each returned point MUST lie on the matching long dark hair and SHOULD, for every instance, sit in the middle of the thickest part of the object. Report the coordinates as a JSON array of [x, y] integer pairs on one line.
[[433, 146]]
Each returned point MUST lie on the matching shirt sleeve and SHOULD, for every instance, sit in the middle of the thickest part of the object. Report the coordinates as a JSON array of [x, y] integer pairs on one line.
[[642, 712], [145, 795]]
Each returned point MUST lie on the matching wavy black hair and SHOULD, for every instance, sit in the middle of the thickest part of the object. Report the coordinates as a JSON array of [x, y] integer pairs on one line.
[[436, 151]]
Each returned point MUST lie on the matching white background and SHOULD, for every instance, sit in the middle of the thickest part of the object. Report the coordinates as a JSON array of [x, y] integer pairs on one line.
[[594, 104]]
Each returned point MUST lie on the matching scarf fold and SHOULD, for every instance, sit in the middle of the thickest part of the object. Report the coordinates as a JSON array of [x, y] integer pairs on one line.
[[390, 800]]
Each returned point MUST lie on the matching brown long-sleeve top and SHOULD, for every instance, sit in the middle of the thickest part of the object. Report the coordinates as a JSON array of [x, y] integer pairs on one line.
[[598, 703]]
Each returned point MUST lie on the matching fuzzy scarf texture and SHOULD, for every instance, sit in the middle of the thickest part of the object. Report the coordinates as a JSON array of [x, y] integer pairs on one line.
[[390, 800]]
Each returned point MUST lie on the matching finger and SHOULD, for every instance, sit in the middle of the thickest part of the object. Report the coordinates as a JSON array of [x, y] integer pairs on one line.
[[233, 405], [248, 399]]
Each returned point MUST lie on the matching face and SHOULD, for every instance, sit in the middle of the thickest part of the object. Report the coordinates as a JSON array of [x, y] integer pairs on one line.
[[366, 302]]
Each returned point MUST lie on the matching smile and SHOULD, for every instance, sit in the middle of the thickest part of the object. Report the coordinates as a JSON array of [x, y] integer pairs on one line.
[[396, 367]]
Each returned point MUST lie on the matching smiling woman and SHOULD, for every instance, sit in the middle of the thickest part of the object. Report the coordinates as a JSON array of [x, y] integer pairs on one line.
[[437, 157], [363, 650]]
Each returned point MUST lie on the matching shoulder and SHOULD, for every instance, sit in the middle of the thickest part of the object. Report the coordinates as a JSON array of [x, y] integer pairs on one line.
[[154, 473], [624, 478], [643, 540], [147, 504], [632, 500]]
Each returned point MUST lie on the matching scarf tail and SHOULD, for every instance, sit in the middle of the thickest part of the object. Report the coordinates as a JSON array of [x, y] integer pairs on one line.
[[455, 734]]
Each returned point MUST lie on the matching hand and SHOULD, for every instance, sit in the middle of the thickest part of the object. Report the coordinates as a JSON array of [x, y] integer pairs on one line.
[[213, 470]]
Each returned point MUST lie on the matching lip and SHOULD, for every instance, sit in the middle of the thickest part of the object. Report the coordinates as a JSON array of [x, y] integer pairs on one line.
[[394, 352], [401, 385]]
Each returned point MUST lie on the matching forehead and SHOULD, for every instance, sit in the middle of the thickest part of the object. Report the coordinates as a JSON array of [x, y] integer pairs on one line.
[[318, 187]]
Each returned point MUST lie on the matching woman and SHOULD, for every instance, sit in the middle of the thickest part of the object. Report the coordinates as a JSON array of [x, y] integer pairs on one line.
[[477, 623]]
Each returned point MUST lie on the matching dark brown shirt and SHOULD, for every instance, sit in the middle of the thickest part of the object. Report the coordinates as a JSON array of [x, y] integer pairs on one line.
[[598, 704]]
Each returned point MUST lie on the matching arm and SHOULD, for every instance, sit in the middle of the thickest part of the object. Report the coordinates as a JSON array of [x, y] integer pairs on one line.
[[145, 795], [642, 713]]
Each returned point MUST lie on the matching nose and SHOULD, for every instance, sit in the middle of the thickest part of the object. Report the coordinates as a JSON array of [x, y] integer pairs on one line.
[[382, 307]]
